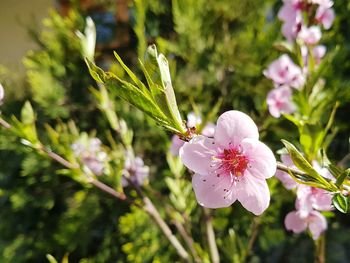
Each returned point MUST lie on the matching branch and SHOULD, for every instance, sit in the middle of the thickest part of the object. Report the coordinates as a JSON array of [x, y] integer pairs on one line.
[[214, 253], [284, 168], [188, 239], [153, 212]]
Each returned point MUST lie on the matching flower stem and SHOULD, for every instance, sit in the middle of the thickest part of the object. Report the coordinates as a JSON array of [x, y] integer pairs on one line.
[[320, 253], [214, 253]]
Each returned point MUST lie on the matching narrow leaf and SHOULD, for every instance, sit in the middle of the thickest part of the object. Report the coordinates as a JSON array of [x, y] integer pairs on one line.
[[340, 202]]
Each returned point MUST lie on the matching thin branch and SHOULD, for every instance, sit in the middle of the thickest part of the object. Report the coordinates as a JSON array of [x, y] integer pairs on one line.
[[5, 124], [188, 239], [153, 212], [284, 168], [214, 253], [107, 189]]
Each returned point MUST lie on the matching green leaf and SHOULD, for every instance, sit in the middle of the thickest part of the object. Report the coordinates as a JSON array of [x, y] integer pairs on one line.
[[301, 163], [132, 75], [340, 202], [96, 72], [157, 73], [27, 114], [342, 177], [135, 96]]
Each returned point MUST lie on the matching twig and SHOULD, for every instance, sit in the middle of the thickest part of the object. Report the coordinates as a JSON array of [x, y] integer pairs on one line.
[[5, 124], [188, 239], [284, 168], [107, 189], [214, 253], [153, 212]]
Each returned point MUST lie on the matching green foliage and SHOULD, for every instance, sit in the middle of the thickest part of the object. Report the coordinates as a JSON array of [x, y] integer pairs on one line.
[[215, 52]]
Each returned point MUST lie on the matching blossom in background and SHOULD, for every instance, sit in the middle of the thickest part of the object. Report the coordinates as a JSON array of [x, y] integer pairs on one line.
[[310, 35], [134, 169], [291, 15], [90, 153], [2, 94], [279, 100], [193, 120], [325, 16], [314, 221], [234, 165], [284, 177], [309, 202], [283, 72]]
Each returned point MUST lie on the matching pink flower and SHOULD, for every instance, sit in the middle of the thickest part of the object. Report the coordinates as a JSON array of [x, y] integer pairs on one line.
[[176, 144], [279, 100], [2, 94], [314, 221], [283, 71], [209, 130], [193, 120], [284, 177], [310, 198], [234, 165], [291, 14], [318, 52], [310, 35], [90, 153], [325, 16], [134, 169]]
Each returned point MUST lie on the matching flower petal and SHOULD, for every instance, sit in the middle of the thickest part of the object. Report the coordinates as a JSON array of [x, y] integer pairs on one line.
[[253, 193], [262, 162], [233, 126], [212, 191], [317, 225], [293, 222], [196, 154]]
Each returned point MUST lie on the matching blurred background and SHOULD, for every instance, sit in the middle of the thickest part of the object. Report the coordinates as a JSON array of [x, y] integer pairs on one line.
[[217, 51]]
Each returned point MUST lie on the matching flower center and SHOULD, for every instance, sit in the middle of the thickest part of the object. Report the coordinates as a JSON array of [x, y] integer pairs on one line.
[[232, 161]]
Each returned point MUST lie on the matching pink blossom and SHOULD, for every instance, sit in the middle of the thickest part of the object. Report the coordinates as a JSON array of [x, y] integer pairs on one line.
[[92, 156], [318, 52], [310, 35], [314, 221], [134, 169], [284, 177], [193, 120], [283, 71], [176, 144], [279, 100], [291, 14], [234, 165], [2, 94], [310, 198], [209, 130], [325, 16]]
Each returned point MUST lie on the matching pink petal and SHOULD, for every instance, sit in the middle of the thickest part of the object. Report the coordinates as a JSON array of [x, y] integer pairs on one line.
[[304, 201], [286, 180], [196, 155], [233, 126], [212, 191], [253, 193], [293, 222], [262, 162], [317, 225]]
